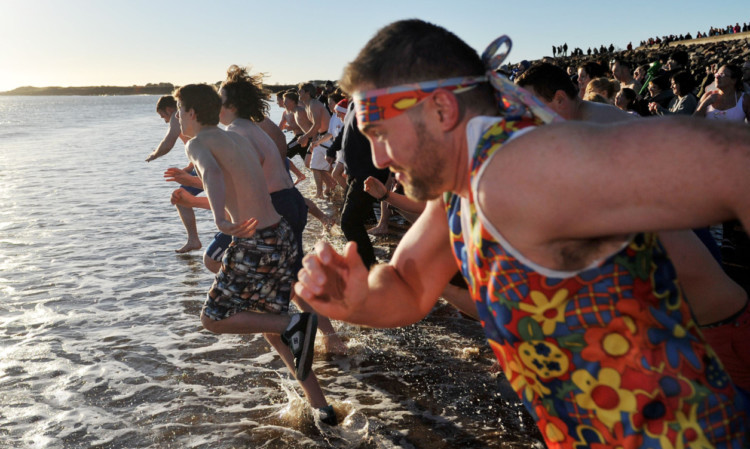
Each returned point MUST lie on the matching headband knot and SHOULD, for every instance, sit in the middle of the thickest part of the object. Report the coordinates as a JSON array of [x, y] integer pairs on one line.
[[513, 100]]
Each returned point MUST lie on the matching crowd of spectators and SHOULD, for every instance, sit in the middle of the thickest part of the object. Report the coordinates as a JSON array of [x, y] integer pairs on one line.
[[729, 29], [709, 79]]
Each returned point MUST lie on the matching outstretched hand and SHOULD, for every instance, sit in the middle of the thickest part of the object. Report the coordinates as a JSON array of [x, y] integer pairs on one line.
[[178, 175], [335, 285], [243, 229]]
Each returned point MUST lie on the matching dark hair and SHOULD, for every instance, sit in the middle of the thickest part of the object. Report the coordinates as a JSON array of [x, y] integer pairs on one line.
[[735, 73], [546, 79], [684, 81], [414, 50], [203, 99], [166, 101], [593, 69], [630, 96], [622, 62], [681, 57], [661, 81], [245, 93], [335, 97], [309, 88], [292, 95]]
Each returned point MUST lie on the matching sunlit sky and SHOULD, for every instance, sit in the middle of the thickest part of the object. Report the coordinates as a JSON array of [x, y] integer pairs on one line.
[[127, 42]]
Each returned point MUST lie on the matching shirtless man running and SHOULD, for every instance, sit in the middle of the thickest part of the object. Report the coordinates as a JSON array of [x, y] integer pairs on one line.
[[166, 107], [299, 115], [251, 291], [319, 117]]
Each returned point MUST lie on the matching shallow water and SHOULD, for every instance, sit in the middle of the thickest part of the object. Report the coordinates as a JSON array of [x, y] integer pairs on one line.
[[100, 342]]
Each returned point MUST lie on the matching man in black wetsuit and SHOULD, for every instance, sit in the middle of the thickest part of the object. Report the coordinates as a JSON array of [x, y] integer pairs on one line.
[[358, 203]]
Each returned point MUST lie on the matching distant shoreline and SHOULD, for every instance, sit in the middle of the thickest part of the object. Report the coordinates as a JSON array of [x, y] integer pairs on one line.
[[148, 89]]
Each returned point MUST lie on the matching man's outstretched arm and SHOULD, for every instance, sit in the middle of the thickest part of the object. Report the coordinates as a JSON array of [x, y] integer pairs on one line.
[[168, 142], [391, 295]]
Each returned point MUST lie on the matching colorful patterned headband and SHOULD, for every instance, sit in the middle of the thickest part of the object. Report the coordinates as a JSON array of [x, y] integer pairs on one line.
[[389, 102]]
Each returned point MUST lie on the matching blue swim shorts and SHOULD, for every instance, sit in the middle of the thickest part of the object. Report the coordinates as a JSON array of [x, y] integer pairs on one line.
[[192, 190]]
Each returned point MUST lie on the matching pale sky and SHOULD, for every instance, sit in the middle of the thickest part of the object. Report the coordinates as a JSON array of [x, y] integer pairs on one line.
[[126, 42]]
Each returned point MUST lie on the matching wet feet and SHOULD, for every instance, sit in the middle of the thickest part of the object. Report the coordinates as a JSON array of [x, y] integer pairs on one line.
[[334, 345], [189, 246], [328, 222]]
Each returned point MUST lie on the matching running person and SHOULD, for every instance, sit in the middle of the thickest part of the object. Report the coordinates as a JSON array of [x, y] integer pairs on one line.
[[581, 308], [263, 247], [166, 107]]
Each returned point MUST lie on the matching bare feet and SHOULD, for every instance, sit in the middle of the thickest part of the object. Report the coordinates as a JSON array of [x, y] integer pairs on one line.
[[319, 196], [300, 178], [187, 247], [378, 230], [334, 345], [328, 222]]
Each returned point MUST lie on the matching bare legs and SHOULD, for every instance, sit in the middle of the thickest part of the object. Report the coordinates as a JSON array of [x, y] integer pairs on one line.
[[310, 386], [332, 342], [323, 177], [382, 227], [315, 211], [297, 173], [271, 326], [188, 220]]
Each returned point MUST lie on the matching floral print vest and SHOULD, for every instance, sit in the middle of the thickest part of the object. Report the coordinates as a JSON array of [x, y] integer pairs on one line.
[[605, 357]]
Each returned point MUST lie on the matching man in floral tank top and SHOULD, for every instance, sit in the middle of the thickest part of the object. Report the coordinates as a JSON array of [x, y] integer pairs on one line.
[[582, 309]]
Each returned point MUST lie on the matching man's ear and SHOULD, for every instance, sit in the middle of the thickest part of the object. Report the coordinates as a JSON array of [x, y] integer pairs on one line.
[[559, 98], [446, 107]]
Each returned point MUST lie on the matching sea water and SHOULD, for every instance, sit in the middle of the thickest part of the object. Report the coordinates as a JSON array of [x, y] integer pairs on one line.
[[100, 341]]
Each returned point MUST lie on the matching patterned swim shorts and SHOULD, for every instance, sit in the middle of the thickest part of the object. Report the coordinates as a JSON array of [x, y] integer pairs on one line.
[[256, 274]]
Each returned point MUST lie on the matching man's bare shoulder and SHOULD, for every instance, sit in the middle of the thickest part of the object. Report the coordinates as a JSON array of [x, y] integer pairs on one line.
[[604, 113], [240, 127], [195, 145], [238, 139]]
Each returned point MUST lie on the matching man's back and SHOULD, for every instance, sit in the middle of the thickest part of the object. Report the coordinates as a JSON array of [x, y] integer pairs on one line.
[[274, 170], [229, 156]]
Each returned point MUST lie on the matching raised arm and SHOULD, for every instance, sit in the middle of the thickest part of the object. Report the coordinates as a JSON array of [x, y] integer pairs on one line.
[[167, 143], [583, 181], [706, 100], [391, 295]]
